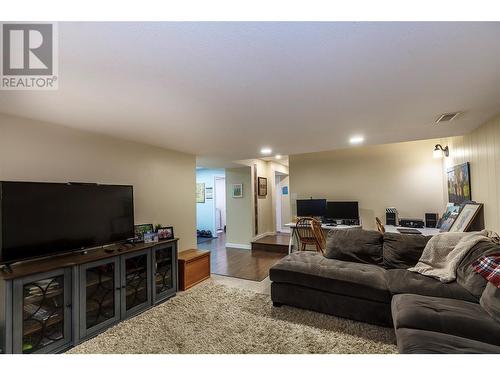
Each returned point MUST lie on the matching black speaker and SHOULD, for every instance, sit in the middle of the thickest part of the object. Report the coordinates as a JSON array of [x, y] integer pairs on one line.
[[431, 220], [391, 216]]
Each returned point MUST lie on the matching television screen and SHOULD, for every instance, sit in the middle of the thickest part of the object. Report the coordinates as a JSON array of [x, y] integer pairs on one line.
[[342, 210], [311, 207], [39, 219]]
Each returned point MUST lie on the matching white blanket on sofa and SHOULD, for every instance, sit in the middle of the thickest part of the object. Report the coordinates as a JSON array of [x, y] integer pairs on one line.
[[444, 252]]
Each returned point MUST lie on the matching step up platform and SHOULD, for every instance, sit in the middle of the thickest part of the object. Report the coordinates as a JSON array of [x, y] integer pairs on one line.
[[275, 243]]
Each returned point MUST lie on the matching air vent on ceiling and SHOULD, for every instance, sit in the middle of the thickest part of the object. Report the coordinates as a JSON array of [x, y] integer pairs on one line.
[[447, 117]]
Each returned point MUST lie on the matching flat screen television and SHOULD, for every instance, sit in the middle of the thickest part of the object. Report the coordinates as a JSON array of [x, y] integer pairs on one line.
[[40, 219], [311, 207]]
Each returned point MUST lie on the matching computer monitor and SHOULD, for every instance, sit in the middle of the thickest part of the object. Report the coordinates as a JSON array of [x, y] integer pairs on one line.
[[342, 210], [311, 207]]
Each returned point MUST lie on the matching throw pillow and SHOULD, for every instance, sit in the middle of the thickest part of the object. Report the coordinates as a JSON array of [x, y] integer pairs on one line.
[[467, 277], [355, 245], [490, 301], [403, 250]]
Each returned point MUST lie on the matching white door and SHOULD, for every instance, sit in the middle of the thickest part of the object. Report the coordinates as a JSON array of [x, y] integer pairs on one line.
[[220, 203]]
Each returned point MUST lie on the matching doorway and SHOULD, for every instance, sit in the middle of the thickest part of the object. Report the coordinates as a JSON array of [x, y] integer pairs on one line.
[[220, 204], [282, 199]]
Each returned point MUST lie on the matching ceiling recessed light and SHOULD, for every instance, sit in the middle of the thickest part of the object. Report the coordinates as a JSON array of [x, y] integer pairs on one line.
[[265, 151], [278, 156], [356, 140]]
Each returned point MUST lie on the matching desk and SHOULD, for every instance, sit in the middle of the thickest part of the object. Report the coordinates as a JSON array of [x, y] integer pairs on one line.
[[424, 231], [323, 226]]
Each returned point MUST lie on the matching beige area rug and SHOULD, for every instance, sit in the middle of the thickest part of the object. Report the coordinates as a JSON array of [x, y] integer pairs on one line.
[[213, 318]]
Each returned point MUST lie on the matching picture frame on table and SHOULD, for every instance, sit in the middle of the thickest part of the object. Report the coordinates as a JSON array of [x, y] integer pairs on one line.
[[141, 229], [466, 216], [165, 233]]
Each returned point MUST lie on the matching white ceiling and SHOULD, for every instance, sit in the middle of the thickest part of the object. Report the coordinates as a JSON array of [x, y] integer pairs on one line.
[[224, 90]]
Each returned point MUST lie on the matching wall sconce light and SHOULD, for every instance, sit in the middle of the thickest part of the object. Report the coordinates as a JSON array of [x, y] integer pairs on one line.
[[439, 151]]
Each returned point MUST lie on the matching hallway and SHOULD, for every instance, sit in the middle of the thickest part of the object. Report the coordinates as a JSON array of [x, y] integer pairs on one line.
[[241, 263]]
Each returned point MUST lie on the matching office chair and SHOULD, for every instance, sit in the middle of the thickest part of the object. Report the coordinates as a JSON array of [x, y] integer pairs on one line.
[[380, 226]]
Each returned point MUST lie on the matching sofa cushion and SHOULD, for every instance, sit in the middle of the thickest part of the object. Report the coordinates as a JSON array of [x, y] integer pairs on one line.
[[466, 276], [312, 270], [357, 245], [416, 341], [403, 281], [490, 301], [444, 315], [403, 250]]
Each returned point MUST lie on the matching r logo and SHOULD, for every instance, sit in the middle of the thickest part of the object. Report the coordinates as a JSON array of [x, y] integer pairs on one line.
[[27, 49]]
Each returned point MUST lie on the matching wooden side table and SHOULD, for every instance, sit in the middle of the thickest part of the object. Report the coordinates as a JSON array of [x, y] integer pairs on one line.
[[194, 267]]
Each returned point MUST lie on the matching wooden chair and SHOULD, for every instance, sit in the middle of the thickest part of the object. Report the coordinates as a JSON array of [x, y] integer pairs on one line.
[[307, 235], [319, 235], [380, 226]]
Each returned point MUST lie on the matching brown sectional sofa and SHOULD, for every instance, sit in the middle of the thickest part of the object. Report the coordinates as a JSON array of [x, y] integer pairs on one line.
[[370, 283]]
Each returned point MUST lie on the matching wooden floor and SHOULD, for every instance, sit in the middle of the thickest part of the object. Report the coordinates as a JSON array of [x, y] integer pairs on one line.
[[241, 263]]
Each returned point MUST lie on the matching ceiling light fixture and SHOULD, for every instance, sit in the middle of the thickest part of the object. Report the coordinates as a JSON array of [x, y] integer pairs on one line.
[[439, 151], [266, 151], [278, 157], [356, 140]]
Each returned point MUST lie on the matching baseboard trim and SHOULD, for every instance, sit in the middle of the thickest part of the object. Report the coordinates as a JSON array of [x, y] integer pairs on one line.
[[239, 245]]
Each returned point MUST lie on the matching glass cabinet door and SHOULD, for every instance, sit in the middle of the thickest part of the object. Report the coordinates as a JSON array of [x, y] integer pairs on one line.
[[136, 276], [164, 263], [100, 295], [42, 312]]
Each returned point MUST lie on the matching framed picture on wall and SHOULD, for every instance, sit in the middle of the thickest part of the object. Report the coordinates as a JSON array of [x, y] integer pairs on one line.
[[262, 186], [200, 192], [237, 190], [209, 193], [466, 216], [459, 184]]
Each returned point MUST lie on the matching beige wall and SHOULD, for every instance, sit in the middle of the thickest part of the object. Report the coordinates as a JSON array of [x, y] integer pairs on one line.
[[402, 175], [239, 224], [163, 180], [481, 148]]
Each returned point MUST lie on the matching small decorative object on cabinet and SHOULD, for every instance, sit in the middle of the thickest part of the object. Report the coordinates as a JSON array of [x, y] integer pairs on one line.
[[141, 229], [165, 233], [48, 305], [194, 267]]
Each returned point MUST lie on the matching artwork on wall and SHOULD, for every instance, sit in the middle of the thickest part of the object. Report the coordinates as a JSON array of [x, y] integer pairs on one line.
[[209, 193], [200, 192], [284, 190], [237, 190], [459, 184], [466, 216], [262, 186]]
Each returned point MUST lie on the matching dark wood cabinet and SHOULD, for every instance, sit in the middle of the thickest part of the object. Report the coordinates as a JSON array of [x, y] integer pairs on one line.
[[164, 260], [135, 282], [41, 316], [99, 290], [50, 306]]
